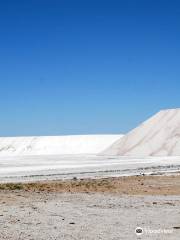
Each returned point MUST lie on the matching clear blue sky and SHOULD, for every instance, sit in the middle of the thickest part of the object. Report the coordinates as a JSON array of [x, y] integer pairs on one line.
[[90, 66]]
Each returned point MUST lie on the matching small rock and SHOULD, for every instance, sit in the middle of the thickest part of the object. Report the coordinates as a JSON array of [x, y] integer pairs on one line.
[[178, 227]]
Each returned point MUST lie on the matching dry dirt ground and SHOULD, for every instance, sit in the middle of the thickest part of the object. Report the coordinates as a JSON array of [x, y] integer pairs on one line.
[[106, 209]]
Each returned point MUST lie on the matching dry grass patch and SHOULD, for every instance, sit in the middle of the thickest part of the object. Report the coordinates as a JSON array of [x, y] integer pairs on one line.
[[133, 185]]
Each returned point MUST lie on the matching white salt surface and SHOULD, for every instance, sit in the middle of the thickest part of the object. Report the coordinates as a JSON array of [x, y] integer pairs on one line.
[[53, 145], [158, 136], [30, 168]]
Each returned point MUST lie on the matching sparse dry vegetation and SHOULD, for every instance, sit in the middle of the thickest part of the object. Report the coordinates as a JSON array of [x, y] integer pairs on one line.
[[123, 185]]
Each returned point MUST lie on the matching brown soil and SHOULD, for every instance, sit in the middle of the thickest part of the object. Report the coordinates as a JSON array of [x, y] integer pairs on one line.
[[134, 185]]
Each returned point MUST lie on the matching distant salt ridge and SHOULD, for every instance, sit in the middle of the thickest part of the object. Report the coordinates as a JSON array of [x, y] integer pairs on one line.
[[158, 136], [46, 145]]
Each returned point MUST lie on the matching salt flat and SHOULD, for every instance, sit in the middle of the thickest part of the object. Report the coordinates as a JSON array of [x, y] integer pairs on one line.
[[151, 148], [41, 167]]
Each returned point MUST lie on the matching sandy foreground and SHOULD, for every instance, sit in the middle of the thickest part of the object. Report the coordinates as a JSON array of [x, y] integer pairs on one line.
[[107, 209]]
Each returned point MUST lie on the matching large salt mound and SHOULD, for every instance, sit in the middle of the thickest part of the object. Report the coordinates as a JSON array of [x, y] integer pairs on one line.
[[158, 136], [76, 144]]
